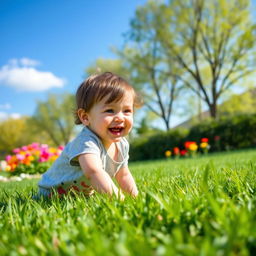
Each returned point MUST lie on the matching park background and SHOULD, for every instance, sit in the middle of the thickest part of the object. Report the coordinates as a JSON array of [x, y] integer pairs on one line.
[[193, 145], [193, 63]]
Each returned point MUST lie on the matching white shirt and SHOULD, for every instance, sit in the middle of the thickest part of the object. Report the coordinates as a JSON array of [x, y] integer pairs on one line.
[[66, 173]]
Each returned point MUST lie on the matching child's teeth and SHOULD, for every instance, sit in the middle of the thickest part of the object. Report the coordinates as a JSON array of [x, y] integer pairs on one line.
[[116, 129]]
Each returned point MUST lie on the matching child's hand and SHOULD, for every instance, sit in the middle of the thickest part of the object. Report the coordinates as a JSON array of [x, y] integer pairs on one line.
[[100, 180], [126, 181]]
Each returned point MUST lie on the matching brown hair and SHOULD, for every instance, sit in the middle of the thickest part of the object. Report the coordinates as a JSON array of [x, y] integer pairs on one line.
[[96, 87]]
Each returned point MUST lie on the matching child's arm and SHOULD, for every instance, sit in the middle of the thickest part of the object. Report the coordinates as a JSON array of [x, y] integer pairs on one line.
[[126, 181], [100, 180]]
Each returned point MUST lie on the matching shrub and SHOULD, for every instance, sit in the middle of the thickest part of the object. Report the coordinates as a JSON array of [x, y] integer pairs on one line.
[[237, 132], [154, 147]]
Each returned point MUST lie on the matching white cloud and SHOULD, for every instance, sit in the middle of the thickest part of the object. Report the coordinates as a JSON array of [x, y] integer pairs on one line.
[[29, 62], [4, 116], [21, 74], [5, 106]]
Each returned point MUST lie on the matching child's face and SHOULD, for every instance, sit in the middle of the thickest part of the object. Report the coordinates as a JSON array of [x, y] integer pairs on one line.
[[111, 121]]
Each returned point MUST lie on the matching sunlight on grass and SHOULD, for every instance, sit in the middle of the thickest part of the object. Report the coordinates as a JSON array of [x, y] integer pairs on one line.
[[203, 206]]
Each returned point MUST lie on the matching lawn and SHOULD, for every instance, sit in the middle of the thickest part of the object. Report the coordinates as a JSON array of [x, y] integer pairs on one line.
[[200, 206]]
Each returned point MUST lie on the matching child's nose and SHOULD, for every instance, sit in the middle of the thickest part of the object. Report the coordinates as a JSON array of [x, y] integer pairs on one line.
[[119, 117]]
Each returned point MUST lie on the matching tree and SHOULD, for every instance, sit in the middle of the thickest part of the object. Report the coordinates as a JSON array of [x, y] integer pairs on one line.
[[143, 56], [16, 133], [12, 132], [243, 103], [54, 116], [112, 65], [212, 40]]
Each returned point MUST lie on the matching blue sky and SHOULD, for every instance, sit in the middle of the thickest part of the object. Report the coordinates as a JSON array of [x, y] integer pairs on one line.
[[50, 43]]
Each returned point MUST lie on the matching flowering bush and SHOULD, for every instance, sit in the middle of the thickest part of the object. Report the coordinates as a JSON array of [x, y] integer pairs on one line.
[[33, 158], [190, 149], [168, 153], [176, 152], [229, 133], [204, 145]]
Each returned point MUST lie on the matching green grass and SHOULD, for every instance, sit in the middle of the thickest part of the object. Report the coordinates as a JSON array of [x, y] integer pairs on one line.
[[203, 206]]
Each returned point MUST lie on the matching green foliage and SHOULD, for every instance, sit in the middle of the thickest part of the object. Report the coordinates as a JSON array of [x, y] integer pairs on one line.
[[215, 59], [112, 65], [234, 132], [154, 146], [55, 118], [197, 44], [239, 104], [204, 206], [18, 132], [32, 168], [150, 70], [143, 128], [12, 133]]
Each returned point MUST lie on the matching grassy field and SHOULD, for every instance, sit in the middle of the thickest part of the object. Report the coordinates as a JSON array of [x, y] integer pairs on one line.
[[201, 206]]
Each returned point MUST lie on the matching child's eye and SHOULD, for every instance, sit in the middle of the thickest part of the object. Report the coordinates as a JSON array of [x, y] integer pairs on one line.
[[128, 111], [109, 110]]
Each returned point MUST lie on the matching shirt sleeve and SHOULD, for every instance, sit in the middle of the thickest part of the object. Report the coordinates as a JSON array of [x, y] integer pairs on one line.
[[82, 145]]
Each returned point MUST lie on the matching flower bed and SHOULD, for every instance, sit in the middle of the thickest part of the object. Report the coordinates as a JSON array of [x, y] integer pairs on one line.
[[191, 148], [31, 159]]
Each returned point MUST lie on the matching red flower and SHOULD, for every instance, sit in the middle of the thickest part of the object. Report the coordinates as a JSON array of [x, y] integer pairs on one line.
[[176, 151], [206, 140], [187, 144], [183, 152]]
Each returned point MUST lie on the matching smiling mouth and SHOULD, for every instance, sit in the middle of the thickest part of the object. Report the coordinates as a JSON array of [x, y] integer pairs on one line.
[[116, 130]]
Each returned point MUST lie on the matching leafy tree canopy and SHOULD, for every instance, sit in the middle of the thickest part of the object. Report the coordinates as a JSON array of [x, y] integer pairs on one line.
[[55, 117]]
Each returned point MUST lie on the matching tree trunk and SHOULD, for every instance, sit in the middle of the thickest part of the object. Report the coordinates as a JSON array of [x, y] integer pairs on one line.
[[167, 125], [213, 110]]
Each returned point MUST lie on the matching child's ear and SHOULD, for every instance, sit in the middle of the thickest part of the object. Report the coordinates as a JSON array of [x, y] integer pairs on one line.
[[83, 116]]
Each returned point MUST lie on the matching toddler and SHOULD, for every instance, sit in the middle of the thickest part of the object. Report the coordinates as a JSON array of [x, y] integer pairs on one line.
[[100, 152]]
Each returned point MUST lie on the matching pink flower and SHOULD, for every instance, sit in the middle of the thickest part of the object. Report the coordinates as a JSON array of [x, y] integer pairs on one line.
[[35, 145], [28, 154], [44, 156], [16, 150], [20, 157], [24, 148], [44, 146], [8, 158], [61, 147]]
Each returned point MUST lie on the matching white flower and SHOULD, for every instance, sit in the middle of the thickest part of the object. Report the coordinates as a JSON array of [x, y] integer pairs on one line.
[[3, 178], [3, 165]]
